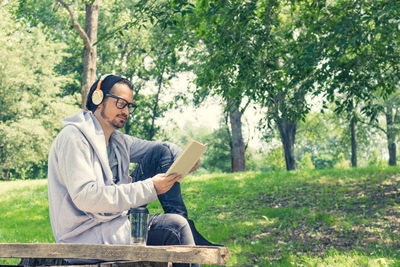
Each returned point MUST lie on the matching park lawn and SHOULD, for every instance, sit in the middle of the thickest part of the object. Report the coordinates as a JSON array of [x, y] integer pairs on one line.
[[302, 218]]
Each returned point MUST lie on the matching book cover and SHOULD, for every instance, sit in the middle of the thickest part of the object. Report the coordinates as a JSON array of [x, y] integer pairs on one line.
[[190, 154]]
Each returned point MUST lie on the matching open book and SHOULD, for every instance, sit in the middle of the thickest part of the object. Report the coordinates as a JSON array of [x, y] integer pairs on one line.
[[190, 154]]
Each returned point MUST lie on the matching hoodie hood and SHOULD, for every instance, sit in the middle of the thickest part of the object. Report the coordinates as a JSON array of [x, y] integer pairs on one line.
[[90, 127]]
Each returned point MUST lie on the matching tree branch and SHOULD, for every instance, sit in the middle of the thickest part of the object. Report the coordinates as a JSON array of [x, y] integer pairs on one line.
[[76, 25], [245, 106], [373, 125]]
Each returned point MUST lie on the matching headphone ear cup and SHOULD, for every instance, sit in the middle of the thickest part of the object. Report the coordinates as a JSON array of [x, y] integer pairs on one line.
[[97, 97]]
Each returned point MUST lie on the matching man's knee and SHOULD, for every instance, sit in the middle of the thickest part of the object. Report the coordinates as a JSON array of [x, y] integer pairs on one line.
[[175, 230], [157, 160], [159, 150], [177, 221], [181, 228], [161, 155]]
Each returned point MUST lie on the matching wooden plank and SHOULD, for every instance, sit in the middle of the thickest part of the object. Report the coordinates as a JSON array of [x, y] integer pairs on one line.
[[178, 254], [133, 264], [57, 262]]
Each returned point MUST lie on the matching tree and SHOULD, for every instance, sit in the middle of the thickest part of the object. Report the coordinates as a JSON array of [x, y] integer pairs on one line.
[[218, 158], [326, 137], [151, 56], [35, 12], [223, 60], [177, 18], [125, 47], [31, 110], [358, 47], [285, 67], [391, 114], [89, 37]]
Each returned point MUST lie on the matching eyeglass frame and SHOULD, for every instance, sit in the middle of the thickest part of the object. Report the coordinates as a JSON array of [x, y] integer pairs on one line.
[[132, 107]]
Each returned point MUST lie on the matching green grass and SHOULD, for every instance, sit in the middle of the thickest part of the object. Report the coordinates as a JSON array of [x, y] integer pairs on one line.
[[302, 218]]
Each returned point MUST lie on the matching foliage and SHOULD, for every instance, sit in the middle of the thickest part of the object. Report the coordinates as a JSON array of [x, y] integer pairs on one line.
[[225, 52], [278, 53], [254, 160], [359, 44], [129, 46], [305, 218], [217, 157], [375, 160], [326, 137], [274, 160], [306, 162], [341, 162], [218, 154], [149, 57], [56, 25], [139, 123], [323, 160], [31, 111]]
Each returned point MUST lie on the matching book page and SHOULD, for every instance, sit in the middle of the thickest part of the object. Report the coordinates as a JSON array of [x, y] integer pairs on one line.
[[190, 154]]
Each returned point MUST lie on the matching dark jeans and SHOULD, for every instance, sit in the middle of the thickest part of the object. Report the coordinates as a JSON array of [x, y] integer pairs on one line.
[[156, 161], [171, 228]]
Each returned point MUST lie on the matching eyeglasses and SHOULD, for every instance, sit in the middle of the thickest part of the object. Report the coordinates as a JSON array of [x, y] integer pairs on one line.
[[122, 103]]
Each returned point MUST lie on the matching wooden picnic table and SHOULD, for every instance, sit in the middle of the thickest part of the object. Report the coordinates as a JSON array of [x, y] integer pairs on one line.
[[118, 255]]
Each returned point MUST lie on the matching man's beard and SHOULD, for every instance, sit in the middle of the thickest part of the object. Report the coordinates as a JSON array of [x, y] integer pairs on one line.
[[116, 122]]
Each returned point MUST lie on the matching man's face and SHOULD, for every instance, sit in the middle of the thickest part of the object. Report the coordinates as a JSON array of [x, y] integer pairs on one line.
[[110, 113]]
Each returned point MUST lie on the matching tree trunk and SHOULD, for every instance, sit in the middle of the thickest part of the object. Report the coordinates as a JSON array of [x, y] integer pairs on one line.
[[287, 132], [155, 106], [237, 153], [390, 134], [89, 36], [90, 52], [6, 175], [129, 122], [3, 161], [353, 141]]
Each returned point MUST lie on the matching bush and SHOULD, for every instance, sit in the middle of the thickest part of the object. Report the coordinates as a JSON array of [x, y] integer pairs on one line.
[[375, 160], [342, 162], [323, 161], [306, 162], [274, 160]]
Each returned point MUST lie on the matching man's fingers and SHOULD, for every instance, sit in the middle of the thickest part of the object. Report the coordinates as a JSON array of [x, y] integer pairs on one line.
[[174, 177], [196, 165]]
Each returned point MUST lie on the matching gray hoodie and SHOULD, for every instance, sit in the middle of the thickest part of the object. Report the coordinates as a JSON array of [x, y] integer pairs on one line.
[[84, 203]]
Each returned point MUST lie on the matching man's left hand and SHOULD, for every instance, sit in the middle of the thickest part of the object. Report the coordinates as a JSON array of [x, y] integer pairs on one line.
[[195, 166]]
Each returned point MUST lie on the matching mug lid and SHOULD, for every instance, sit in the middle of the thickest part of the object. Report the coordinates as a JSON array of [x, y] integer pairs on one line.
[[139, 210]]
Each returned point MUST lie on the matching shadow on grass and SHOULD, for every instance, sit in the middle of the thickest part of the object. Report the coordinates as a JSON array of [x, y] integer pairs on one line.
[[264, 218], [315, 218]]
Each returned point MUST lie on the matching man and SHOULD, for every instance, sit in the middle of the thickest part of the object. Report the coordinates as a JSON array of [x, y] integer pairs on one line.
[[90, 190]]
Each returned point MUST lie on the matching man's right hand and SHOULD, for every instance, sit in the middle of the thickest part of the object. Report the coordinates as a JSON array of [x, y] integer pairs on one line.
[[163, 184]]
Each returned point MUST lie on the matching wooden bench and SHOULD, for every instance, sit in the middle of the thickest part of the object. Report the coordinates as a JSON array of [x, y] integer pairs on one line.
[[118, 255]]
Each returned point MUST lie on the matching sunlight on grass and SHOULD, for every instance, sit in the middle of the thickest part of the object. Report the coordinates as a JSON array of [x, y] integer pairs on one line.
[[339, 259], [10, 186]]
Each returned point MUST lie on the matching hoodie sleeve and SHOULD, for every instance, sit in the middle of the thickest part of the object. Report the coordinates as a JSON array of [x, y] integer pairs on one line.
[[82, 175], [139, 147]]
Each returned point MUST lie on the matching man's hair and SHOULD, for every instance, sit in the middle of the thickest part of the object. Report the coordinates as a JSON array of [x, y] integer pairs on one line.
[[126, 82], [105, 86]]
